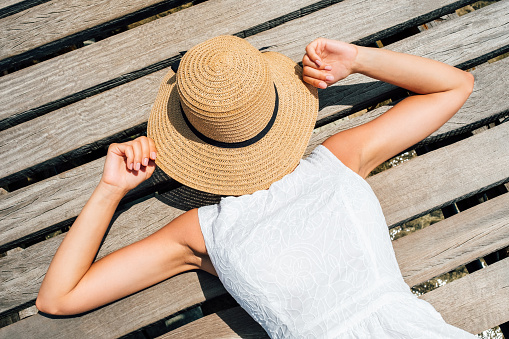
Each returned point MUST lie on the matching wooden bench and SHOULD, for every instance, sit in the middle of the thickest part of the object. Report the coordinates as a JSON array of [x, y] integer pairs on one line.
[[59, 114]]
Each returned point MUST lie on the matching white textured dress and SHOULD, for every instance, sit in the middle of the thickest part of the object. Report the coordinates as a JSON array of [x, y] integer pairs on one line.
[[311, 257]]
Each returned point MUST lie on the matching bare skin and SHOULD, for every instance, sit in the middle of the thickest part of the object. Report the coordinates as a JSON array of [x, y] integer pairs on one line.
[[75, 284]]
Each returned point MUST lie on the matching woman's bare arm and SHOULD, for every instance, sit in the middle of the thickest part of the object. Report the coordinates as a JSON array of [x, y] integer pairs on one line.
[[75, 284], [442, 90]]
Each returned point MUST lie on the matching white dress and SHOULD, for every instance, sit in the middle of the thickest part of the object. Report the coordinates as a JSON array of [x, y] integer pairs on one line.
[[311, 257]]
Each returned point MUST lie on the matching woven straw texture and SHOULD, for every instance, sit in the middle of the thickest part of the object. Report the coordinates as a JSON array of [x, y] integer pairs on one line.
[[232, 91]]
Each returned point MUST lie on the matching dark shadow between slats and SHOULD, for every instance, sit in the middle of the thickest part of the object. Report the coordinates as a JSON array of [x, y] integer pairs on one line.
[[103, 30], [370, 40], [19, 7]]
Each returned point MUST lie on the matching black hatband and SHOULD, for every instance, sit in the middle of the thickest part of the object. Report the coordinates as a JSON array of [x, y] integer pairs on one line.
[[235, 144]]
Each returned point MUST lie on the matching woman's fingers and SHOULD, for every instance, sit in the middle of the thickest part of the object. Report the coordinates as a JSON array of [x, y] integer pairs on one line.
[[317, 77], [129, 154], [144, 150], [315, 82], [311, 52], [137, 153], [317, 74], [306, 61], [152, 147]]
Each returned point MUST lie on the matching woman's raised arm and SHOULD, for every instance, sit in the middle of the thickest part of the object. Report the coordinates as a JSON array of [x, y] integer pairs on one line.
[[442, 90], [74, 283]]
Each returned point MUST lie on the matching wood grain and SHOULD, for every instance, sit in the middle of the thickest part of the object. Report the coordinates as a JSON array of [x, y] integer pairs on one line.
[[31, 210], [58, 23], [486, 104], [10, 7], [476, 302], [108, 66], [109, 62], [56, 202], [440, 177], [22, 272], [80, 127], [126, 315], [454, 241], [46, 203], [463, 42], [96, 118], [424, 183], [9, 3], [231, 323]]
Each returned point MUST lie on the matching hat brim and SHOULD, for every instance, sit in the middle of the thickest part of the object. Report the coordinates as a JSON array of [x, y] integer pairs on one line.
[[236, 171]]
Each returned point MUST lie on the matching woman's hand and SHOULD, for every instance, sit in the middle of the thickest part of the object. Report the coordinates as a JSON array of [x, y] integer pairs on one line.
[[327, 61], [129, 164]]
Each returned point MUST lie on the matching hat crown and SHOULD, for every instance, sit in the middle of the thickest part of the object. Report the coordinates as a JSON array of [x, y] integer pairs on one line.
[[225, 89]]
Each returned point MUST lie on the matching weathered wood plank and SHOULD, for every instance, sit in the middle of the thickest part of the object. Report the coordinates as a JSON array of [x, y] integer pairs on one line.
[[462, 238], [231, 323], [139, 92], [486, 104], [95, 120], [46, 203], [35, 208], [443, 176], [109, 62], [10, 7], [422, 184], [43, 29], [463, 42], [126, 315], [9, 3], [56, 201], [476, 302], [24, 212], [22, 272]]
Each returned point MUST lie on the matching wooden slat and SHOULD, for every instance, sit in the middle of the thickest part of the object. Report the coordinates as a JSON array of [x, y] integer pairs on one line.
[[10, 7], [404, 191], [32, 210], [452, 242], [465, 41], [46, 203], [9, 3], [231, 323], [52, 23], [92, 119], [108, 62], [126, 315], [139, 92], [109, 65], [440, 177], [22, 272], [486, 103], [37, 207], [476, 302]]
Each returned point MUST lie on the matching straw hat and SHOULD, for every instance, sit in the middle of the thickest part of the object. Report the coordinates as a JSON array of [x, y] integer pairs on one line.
[[232, 120]]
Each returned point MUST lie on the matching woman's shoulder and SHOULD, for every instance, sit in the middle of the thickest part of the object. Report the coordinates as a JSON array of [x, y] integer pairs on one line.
[[347, 150]]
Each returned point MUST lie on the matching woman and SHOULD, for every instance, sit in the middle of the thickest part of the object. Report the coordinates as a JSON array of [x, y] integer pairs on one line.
[[304, 247]]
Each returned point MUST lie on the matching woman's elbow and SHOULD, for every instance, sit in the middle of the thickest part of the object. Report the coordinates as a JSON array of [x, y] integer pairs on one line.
[[463, 88], [468, 84], [46, 306], [51, 306]]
